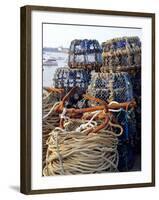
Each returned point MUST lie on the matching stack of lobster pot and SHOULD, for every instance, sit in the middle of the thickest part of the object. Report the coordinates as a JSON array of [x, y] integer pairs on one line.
[[127, 51], [116, 86], [84, 56], [119, 81], [124, 54]]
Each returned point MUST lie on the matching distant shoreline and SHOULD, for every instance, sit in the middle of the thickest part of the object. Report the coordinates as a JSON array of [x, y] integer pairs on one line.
[[56, 50]]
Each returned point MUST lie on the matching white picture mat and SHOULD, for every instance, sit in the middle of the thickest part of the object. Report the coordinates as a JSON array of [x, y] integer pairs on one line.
[[40, 182]]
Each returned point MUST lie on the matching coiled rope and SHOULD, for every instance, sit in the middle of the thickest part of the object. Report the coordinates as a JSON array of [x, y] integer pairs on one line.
[[77, 152], [81, 145]]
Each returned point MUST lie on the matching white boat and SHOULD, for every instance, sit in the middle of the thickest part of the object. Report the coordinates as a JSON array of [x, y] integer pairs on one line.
[[50, 62]]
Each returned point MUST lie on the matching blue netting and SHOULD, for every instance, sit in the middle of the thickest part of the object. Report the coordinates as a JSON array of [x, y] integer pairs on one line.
[[126, 157], [126, 147], [127, 120], [136, 83], [84, 53], [68, 78]]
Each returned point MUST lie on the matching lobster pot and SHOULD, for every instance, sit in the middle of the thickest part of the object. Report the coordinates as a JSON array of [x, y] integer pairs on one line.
[[85, 54], [67, 78], [111, 86], [126, 157], [127, 140], [127, 120], [136, 82], [121, 54]]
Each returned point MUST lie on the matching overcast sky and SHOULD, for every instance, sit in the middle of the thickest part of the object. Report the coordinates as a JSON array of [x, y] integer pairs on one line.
[[62, 35]]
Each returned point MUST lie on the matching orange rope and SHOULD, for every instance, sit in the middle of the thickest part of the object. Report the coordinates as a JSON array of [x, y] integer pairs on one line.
[[86, 96], [73, 111]]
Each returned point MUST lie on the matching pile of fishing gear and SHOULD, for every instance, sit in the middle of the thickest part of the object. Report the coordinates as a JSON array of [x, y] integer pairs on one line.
[[92, 112], [124, 55]]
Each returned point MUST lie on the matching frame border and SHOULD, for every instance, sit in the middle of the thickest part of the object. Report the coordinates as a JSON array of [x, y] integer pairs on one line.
[[25, 95]]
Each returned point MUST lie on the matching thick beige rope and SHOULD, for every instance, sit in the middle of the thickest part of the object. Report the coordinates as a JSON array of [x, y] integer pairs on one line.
[[77, 152], [50, 118]]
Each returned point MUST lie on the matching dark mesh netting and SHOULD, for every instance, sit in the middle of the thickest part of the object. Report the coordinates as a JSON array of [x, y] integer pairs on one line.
[[127, 141], [136, 83], [121, 53], [85, 54], [111, 86], [67, 78]]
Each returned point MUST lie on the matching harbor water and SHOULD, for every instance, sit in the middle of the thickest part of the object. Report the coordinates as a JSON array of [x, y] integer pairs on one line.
[[48, 71]]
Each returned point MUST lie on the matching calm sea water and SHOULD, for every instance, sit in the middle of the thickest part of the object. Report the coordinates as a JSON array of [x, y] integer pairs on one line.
[[48, 71]]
